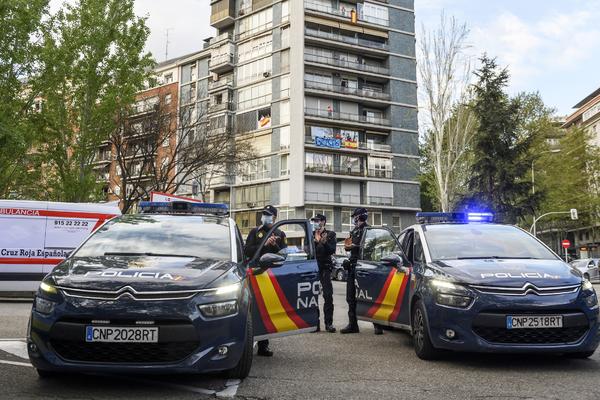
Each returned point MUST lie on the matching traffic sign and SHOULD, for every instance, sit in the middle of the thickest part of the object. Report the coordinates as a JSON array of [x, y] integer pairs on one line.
[[573, 212], [565, 244]]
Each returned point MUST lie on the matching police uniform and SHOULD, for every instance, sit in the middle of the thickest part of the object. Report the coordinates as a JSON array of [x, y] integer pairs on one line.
[[253, 241], [324, 249], [356, 235]]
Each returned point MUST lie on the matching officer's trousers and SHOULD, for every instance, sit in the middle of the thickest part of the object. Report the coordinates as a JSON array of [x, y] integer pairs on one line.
[[351, 294], [325, 278]]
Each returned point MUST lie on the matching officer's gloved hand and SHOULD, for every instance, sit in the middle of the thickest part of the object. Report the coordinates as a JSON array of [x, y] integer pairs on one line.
[[346, 264]]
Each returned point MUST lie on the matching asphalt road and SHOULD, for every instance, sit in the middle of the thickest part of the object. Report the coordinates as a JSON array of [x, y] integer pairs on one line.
[[318, 366]]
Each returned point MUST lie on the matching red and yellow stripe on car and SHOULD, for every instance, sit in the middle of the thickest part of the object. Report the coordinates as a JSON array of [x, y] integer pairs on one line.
[[388, 303], [275, 310]]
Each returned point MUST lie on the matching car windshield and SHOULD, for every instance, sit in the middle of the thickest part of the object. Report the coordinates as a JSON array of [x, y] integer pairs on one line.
[[160, 235], [473, 241]]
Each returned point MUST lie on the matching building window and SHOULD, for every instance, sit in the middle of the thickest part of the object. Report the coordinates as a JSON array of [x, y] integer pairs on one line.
[[285, 11], [285, 61], [284, 171], [347, 223], [285, 37], [253, 196], [375, 218], [284, 137], [396, 223], [256, 170], [319, 162], [168, 98], [168, 78], [255, 48], [284, 112]]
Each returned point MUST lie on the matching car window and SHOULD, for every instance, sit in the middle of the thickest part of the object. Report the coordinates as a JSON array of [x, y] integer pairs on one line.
[[378, 243], [204, 237], [418, 252], [456, 241], [240, 245]]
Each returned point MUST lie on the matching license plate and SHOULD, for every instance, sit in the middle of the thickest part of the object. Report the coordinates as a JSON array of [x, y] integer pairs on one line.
[[533, 321], [116, 334]]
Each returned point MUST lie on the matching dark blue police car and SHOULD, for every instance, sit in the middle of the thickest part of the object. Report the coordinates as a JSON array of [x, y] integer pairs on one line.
[[169, 290], [459, 282]]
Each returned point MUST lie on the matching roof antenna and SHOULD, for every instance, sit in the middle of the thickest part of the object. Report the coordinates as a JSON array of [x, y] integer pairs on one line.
[[167, 44]]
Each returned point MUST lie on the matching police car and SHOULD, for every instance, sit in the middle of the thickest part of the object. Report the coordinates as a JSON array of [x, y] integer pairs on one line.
[[459, 282], [169, 290]]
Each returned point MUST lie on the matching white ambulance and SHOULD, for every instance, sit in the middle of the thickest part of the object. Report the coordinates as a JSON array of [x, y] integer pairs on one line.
[[37, 235]]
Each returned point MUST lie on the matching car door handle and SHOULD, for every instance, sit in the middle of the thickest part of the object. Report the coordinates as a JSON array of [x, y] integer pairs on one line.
[[308, 275]]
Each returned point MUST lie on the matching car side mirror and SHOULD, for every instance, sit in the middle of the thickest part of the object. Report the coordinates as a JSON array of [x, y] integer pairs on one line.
[[397, 260], [270, 260]]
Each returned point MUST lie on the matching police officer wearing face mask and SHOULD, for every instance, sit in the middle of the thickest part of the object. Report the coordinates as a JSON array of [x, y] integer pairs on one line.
[[352, 245], [325, 243], [274, 244]]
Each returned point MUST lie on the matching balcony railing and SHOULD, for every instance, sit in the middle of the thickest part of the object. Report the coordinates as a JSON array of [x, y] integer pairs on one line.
[[340, 198], [311, 140], [255, 176], [254, 31], [336, 62], [380, 173], [346, 13], [341, 116], [346, 39], [379, 147], [250, 203], [225, 106], [366, 91], [221, 59], [221, 37], [330, 169], [221, 83]]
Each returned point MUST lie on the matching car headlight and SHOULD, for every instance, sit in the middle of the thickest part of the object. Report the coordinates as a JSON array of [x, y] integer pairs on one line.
[[590, 298], [450, 294], [221, 309], [48, 288], [44, 306], [587, 285], [228, 289]]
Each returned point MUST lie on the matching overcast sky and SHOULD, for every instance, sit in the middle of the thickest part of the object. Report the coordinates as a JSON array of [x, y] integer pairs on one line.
[[550, 46]]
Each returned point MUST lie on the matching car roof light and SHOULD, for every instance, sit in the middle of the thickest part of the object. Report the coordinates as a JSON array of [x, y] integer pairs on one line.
[[453, 217], [182, 207]]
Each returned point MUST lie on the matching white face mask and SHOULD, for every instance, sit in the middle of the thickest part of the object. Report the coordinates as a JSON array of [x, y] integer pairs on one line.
[[316, 225], [266, 219]]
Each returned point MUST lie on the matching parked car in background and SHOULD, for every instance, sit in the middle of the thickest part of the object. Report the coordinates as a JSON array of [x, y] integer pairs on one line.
[[338, 272], [588, 268]]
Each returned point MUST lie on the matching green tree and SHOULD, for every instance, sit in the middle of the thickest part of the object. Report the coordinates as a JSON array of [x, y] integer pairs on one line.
[[94, 63], [19, 32], [501, 154]]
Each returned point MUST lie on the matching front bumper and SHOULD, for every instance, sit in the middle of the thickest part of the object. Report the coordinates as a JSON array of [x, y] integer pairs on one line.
[[482, 327], [188, 343]]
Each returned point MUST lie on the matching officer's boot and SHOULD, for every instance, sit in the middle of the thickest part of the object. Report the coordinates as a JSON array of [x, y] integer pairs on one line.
[[263, 349], [350, 328], [378, 329], [330, 328]]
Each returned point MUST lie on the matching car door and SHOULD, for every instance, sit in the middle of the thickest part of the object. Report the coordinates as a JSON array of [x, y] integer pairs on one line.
[[381, 287], [285, 298]]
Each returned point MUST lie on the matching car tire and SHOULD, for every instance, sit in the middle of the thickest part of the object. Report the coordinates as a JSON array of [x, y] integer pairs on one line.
[[242, 369], [580, 355], [339, 276], [420, 332], [45, 374]]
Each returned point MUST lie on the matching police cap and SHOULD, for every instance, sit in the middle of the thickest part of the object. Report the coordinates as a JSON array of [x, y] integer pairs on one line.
[[269, 210], [359, 211], [319, 217]]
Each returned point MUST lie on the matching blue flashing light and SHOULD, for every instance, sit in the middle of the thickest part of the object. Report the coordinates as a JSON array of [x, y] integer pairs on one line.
[[453, 217], [182, 207]]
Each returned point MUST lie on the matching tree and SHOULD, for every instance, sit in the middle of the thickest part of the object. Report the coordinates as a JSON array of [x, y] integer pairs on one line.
[[93, 65], [449, 125], [502, 159], [161, 150], [19, 51]]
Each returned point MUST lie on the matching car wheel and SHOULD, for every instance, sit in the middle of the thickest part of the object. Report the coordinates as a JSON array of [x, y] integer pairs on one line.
[[420, 331], [44, 374], [340, 275], [582, 354], [242, 369]]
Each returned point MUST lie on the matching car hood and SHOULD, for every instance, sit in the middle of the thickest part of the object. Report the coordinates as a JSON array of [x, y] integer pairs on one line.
[[144, 273], [508, 272]]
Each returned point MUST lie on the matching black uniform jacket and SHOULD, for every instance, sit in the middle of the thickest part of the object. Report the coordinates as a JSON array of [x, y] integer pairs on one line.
[[256, 237], [324, 250], [356, 234]]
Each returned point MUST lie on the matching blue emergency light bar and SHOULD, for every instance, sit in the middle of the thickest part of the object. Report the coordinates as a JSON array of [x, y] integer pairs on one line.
[[182, 207], [453, 217]]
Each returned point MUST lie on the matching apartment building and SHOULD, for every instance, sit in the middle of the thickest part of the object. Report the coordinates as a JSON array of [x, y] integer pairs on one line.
[[327, 91], [587, 116]]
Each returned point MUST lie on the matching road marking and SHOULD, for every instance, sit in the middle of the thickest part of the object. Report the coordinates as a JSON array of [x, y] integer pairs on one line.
[[20, 364], [15, 347], [230, 389]]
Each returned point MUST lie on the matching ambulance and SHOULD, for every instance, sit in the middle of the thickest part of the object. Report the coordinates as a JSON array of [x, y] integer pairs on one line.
[[37, 235]]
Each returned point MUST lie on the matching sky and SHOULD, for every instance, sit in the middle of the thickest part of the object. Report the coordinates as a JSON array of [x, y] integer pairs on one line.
[[550, 46]]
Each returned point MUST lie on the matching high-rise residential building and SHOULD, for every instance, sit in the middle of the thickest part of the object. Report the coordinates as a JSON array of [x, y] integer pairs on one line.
[[327, 90]]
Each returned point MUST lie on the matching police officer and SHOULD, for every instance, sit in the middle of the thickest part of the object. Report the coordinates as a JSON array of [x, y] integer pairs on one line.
[[325, 243], [352, 245], [274, 244]]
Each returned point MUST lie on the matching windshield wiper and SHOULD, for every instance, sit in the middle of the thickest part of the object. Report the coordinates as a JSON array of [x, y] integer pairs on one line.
[[108, 253], [497, 258]]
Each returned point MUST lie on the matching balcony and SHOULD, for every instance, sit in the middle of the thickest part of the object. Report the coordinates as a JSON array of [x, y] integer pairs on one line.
[[221, 38], [221, 181], [222, 13], [219, 107], [356, 41], [343, 13], [222, 63], [335, 170], [353, 199], [254, 31], [347, 117], [241, 204], [311, 140], [255, 176], [221, 84], [379, 147], [372, 92], [379, 173], [337, 62]]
